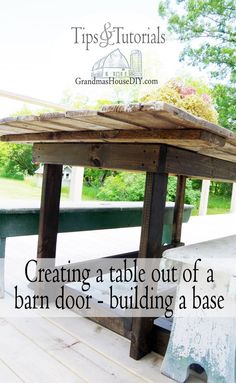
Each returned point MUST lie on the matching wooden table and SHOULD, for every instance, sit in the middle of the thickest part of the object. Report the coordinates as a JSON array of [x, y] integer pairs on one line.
[[156, 138]]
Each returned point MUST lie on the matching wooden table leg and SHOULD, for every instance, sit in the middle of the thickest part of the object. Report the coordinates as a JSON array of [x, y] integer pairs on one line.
[[150, 247], [49, 212], [179, 210]]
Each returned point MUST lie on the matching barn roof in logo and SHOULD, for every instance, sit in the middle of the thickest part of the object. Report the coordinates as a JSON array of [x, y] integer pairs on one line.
[[115, 64]]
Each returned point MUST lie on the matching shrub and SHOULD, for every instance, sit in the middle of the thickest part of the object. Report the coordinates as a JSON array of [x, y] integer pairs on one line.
[[191, 196], [187, 97], [123, 187], [16, 160], [130, 187], [95, 177]]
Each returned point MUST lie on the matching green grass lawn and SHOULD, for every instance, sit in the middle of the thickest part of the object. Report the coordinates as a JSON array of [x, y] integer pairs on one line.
[[89, 193], [15, 189], [216, 205]]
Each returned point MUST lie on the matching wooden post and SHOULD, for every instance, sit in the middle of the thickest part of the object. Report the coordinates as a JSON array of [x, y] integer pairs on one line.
[[49, 212], [179, 210], [150, 247], [48, 223]]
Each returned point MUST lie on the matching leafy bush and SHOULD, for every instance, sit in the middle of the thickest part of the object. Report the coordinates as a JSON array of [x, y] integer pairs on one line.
[[191, 196], [16, 160], [186, 97], [225, 104], [95, 177], [130, 187], [123, 187]]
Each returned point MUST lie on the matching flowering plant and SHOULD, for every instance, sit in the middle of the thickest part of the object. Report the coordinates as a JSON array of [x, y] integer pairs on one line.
[[186, 97]]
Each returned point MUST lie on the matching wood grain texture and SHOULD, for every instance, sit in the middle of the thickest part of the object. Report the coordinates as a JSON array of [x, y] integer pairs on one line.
[[111, 156], [49, 211], [167, 112], [138, 157], [150, 247], [189, 137], [153, 122], [178, 210], [197, 165]]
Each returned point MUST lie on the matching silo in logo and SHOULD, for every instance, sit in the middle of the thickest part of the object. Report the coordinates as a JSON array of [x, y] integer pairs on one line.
[[136, 63], [116, 65]]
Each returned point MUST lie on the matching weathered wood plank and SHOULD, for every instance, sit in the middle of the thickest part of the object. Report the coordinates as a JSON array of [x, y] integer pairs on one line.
[[49, 218], [162, 110], [154, 122], [5, 130], [139, 157], [111, 156], [113, 346], [70, 124], [137, 117], [179, 210], [23, 358], [74, 354], [50, 126], [49, 212], [192, 164], [189, 138], [150, 246], [7, 375], [154, 115], [228, 154], [101, 122]]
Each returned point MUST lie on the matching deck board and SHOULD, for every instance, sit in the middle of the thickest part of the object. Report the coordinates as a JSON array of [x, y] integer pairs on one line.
[[69, 349], [154, 122], [7, 375], [29, 361], [72, 352]]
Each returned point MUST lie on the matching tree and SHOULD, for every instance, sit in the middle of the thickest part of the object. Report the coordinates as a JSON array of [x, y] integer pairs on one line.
[[225, 97], [207, 27], [16, 160]]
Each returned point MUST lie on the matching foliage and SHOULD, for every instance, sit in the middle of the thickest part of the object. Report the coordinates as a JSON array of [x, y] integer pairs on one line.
[[222, 189], [185, 96], [218, 204], [16, 160], [211, 23], [130, 187], [89, 193], [192, 196], [102, 102], [225, 97], [207, 27], [95, 177], [22, 189], [26, 111], [123, 187]]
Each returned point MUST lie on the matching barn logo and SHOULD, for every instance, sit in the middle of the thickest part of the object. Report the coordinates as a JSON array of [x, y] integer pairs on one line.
[[116, 65]]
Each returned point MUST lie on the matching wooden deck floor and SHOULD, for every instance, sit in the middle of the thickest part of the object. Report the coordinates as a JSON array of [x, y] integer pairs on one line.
[[69, 349]]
